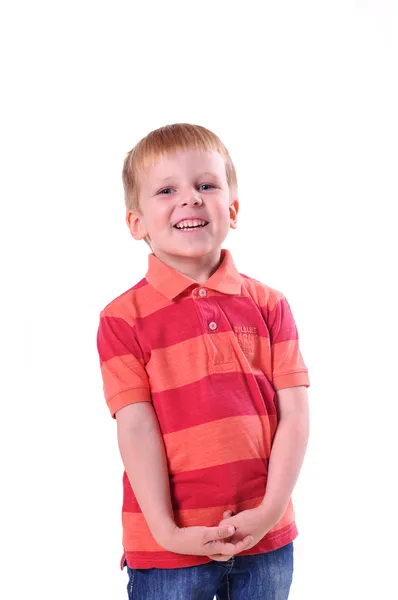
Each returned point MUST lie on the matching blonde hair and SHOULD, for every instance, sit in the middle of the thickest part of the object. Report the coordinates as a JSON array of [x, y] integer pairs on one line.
[[167, 140]]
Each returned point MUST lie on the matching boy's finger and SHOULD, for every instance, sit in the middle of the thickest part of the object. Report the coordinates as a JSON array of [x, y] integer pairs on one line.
[[228, 514], [243, 544], [224, 531], [229, 548], [212, 534]]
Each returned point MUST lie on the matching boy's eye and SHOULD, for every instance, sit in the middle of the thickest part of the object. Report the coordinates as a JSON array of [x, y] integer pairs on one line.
[[165, 191], [206, 186]]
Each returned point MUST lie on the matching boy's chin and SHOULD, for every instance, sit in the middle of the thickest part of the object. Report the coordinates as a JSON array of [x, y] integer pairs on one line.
[[189, 250], [197, 252]]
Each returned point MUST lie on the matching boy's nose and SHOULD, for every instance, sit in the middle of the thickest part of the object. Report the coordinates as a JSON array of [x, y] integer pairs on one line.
[[191, 200]]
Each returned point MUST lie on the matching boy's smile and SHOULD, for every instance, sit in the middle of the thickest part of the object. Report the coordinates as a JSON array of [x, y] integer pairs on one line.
[[187, 224], [186, 209]]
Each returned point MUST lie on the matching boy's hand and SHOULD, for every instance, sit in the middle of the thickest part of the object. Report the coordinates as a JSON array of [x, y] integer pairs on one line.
[[255, 522], [205, 541]]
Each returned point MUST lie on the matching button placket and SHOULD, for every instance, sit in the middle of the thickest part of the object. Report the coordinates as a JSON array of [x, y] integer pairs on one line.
[[219, 351]]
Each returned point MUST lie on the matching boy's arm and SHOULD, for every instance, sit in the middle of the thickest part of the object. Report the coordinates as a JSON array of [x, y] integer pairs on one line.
[[143, 454], [290, 380], [288, 448], [287, 455], [142, 451]]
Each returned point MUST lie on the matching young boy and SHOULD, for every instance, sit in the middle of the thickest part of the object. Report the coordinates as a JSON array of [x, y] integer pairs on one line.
[[203, 373]]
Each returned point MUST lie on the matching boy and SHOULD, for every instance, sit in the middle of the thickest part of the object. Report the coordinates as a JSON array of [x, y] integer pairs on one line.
[[203, 373]]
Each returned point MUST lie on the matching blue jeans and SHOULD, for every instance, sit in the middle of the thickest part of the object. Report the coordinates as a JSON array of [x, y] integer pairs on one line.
[[265, 576]]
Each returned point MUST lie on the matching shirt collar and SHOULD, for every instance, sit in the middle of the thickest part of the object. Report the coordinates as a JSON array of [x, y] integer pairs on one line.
[[171, 283]]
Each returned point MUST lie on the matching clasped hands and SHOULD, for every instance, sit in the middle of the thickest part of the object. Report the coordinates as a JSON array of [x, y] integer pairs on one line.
[[234, 534], [250, 527]]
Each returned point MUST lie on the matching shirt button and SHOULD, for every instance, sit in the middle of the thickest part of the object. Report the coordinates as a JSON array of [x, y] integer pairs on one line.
[[213, 325], [202, 292]]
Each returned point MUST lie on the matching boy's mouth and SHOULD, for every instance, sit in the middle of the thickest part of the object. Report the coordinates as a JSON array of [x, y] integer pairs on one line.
[[191, 224]]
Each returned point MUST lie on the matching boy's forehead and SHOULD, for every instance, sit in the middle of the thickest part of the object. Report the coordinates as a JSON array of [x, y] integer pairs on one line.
[[172, 164]]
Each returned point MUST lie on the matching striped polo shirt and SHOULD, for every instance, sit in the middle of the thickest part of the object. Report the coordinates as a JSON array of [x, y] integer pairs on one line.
[[210, 357]]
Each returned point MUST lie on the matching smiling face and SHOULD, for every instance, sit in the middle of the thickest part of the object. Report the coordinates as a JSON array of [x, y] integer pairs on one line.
[[186, 206]]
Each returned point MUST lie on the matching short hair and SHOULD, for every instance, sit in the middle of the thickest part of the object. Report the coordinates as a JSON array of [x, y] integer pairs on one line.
[[167, 140]]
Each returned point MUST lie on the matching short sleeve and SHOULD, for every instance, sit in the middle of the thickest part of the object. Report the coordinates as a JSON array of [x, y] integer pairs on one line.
[[288, 367], [125, 380]]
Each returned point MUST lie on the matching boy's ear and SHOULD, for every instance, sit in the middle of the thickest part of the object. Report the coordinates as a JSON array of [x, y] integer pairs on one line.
[[233, 214], [136, 226]]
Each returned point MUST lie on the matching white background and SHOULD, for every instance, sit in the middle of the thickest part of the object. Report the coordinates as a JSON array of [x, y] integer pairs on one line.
[[304, 95]]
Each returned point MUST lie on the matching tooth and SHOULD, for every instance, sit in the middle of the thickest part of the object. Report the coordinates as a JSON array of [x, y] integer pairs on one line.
[[188, 223]]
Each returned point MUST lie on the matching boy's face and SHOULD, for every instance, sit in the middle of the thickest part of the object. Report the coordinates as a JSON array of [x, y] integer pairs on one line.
[[188, 185]]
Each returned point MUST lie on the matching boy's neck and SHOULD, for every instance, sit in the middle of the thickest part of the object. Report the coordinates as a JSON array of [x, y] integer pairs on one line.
[[199, 269]]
